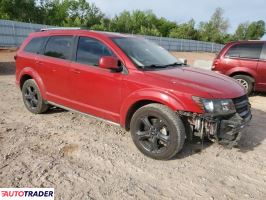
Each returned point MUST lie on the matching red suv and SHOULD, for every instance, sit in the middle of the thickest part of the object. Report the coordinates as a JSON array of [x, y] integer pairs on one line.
[[246, 62], [133, 83]]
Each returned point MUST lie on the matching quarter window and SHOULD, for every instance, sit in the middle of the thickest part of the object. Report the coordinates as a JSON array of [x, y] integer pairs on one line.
[[245, 51], [263, 53], [90, 50], [35, 45], [59, 47]]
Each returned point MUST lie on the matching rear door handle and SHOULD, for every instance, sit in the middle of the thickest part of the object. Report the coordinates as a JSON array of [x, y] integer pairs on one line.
[[76, 71]]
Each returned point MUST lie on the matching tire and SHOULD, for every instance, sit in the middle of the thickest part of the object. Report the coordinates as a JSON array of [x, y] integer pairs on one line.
[[157, 131], [32, 97], [246, 82]]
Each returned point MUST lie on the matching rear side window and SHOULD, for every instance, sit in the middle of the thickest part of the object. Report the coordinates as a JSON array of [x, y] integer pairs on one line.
[[59, 47], [35, 45], [91, 50], [245, 51]]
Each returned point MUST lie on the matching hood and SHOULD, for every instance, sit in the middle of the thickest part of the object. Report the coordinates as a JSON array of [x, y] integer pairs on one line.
[[199, 82]]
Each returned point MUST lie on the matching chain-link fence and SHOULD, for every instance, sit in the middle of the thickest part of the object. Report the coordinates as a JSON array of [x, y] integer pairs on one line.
[[12, 34]]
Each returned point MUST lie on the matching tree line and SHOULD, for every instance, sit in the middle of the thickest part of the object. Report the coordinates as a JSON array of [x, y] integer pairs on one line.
[[80, 13]]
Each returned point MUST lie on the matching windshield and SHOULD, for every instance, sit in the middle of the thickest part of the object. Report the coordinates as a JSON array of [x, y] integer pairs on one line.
[[146, 54]]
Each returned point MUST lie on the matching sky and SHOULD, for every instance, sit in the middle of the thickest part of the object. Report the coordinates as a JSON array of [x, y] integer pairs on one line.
[[236, 11]]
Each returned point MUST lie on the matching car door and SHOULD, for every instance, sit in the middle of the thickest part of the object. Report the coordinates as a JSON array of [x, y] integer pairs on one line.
[[95, 90], [55, 63], [261, 85]]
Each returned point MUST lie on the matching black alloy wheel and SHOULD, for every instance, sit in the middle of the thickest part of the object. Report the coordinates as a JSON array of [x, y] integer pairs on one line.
[[157, 131], [32, 97]]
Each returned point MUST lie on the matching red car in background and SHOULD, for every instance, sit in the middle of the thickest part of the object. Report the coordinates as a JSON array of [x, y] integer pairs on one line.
[[245, 61]]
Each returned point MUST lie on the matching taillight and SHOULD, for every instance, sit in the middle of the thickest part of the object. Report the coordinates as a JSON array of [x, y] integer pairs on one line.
[[215, 63]]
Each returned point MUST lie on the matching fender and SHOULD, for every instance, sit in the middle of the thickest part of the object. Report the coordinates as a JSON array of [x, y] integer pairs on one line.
[[150, 94], [252, 72], [34, 74]]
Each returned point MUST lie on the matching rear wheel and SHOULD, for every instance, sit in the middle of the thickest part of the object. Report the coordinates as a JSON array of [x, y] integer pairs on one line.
[[32, 97], [157, 131], [246, 82]]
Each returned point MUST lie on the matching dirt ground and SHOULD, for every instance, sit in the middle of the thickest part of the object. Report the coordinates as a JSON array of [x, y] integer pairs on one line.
[[83, 158], [193, 57]]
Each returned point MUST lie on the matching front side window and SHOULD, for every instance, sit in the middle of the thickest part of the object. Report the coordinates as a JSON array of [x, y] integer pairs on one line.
[[59, 47], [35, 45], [245, 51], [90, 51], [146, 54]]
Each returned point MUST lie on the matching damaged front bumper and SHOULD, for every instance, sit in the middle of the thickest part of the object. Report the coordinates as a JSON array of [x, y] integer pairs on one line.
[[225, 130]]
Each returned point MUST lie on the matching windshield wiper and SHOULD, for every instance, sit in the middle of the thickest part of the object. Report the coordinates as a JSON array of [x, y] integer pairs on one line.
[[173, 64], [157, 66], [154, 66]]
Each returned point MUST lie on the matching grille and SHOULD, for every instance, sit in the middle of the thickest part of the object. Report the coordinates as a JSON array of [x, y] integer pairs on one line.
[[242, 106]]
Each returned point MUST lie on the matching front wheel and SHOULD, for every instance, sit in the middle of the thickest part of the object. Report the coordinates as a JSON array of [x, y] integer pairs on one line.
[[157, 131]]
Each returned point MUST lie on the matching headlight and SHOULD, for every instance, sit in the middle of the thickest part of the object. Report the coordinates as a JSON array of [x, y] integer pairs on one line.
[[215, 106]]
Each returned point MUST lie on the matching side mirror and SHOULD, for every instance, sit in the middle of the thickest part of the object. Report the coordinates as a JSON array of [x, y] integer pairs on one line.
[[183, 61], [109, 62]]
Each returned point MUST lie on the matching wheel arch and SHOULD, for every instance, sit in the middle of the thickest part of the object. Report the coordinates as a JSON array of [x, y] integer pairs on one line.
[[29, 73], [142, 98], [133, 109], [243, 73], [23, 79]]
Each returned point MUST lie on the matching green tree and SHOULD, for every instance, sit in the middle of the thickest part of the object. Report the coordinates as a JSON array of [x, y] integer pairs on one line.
[[71, 13], [137, 22], [149, 31], [20, 10], [165, 26], [55, 12], [241, 31], [104, 25], [80, 13], [185, 31], [256, 30], [215, 29], [94, 15], [250, 31], [121, 23]]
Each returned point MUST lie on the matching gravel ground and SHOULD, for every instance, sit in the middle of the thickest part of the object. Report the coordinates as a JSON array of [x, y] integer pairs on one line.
[[83, 158]]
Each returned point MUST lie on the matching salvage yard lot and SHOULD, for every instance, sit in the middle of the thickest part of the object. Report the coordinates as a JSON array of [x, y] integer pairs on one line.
[[83, 158]]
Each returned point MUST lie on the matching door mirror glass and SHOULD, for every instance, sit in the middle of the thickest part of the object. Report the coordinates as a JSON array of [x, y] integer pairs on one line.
[[109, 62]]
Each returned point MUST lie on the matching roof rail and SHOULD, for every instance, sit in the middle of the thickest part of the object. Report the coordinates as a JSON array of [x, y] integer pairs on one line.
[[61, 28]]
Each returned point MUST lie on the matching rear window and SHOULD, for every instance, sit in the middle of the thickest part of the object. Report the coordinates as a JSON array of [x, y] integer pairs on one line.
[[245, 51], [35, 45], [59, 47]]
